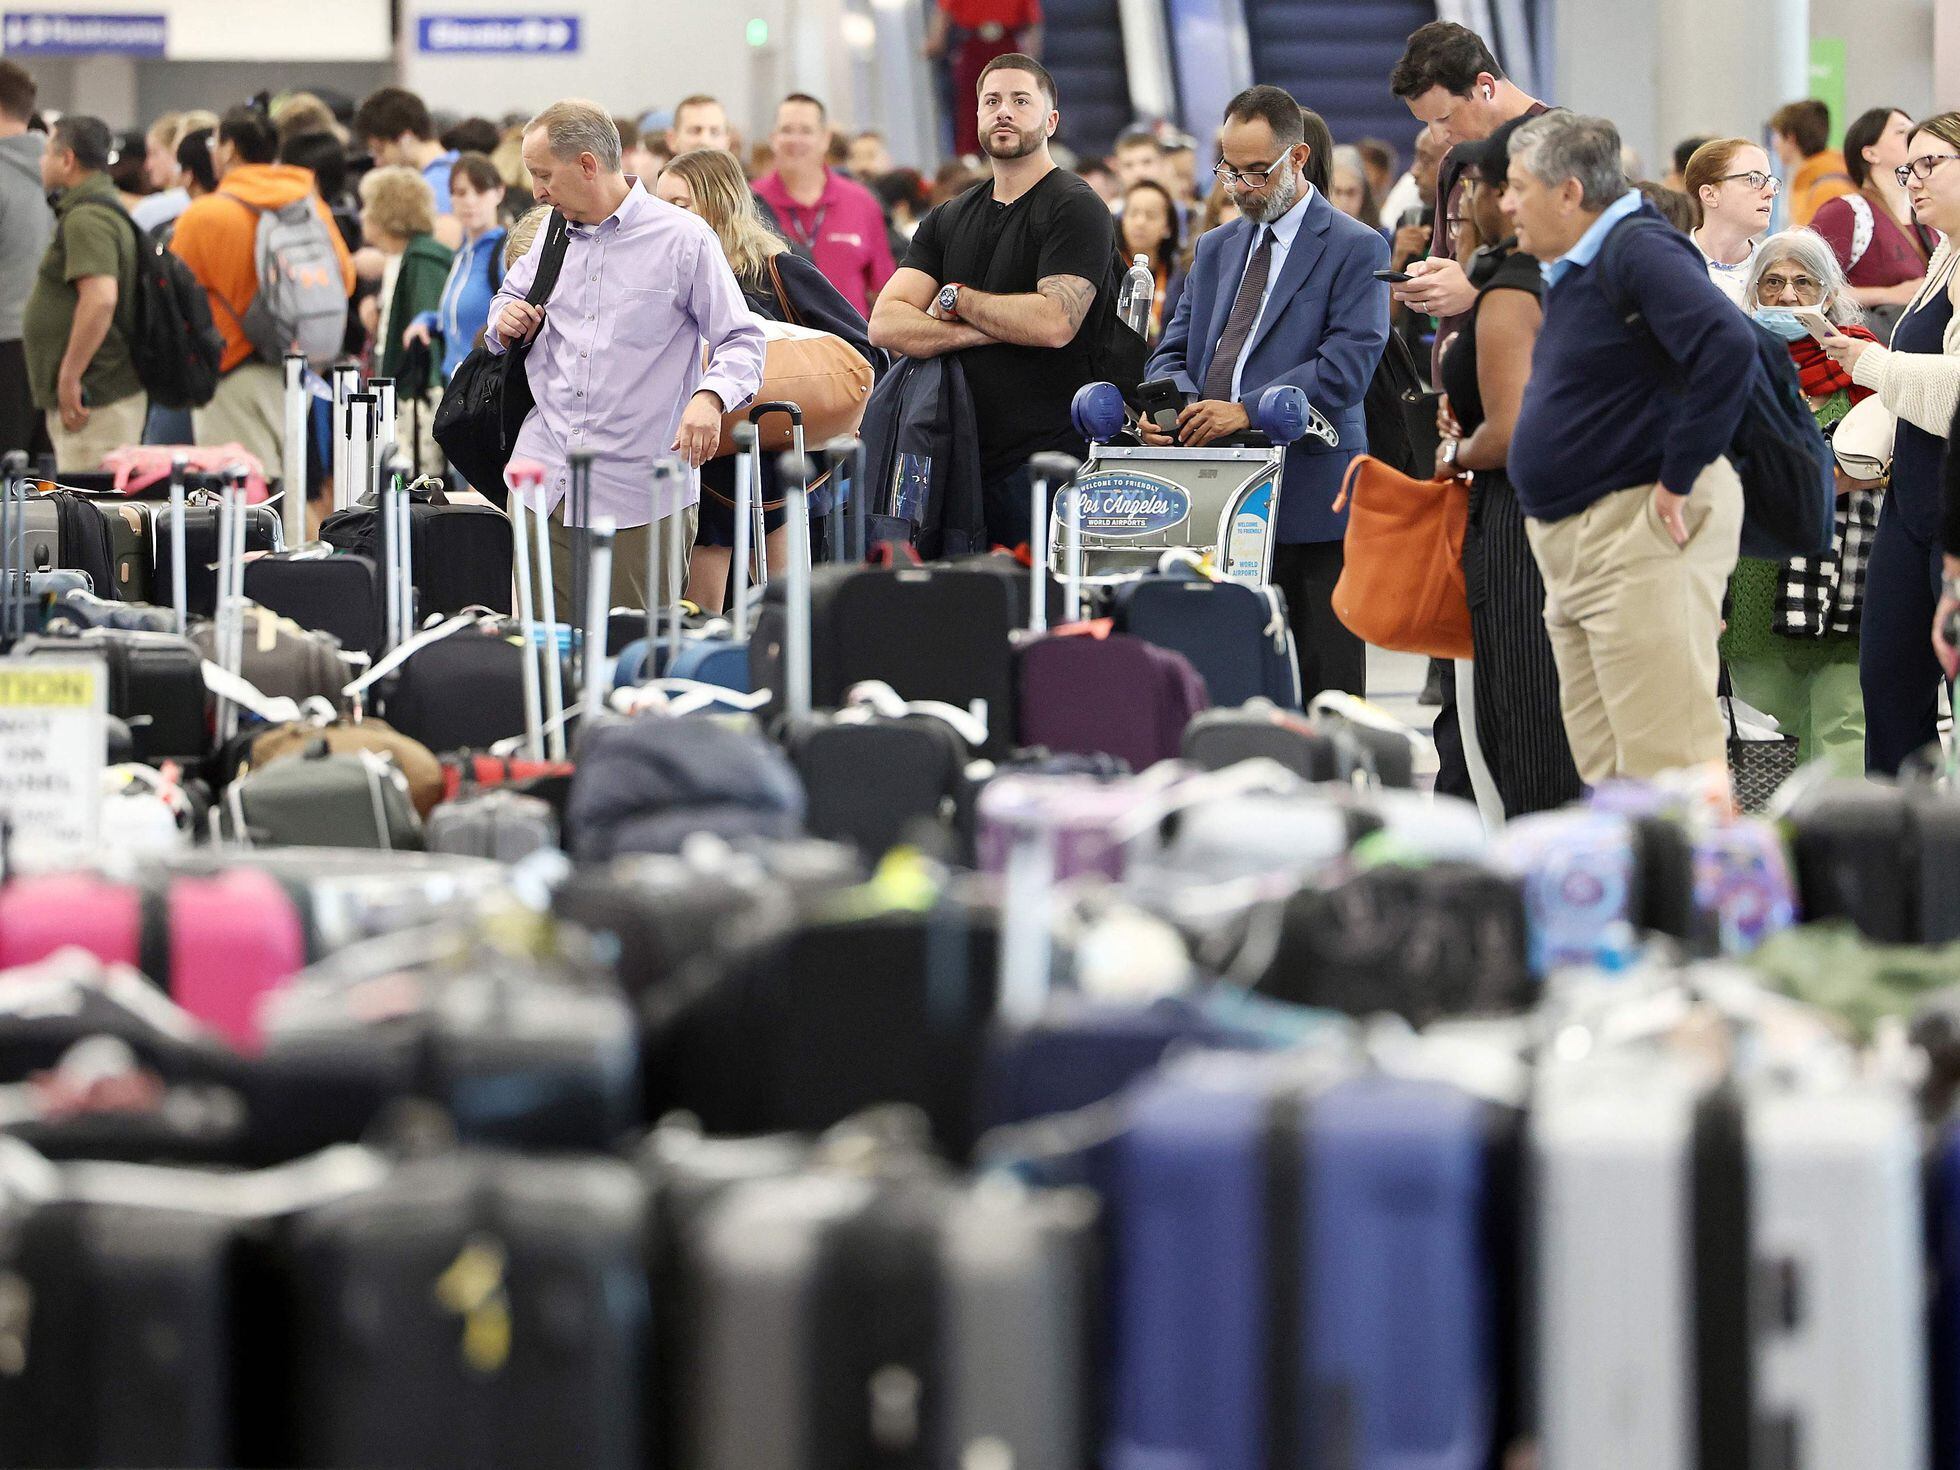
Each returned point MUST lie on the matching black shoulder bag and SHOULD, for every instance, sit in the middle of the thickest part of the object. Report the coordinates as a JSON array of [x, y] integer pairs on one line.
[[487, 401]]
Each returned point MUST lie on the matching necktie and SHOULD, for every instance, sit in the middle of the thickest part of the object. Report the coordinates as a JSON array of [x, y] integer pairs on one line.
[[1238, 327]]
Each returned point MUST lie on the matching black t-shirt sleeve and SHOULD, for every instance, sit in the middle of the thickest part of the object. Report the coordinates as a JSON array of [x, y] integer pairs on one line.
[[928, 252], [1078, 238]]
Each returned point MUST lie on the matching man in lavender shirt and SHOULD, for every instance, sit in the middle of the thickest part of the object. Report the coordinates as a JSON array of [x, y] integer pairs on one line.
[[616, 367]]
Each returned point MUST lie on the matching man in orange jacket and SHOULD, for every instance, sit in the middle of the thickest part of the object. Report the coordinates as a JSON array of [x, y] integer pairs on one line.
[[1815, 170], [217, 238]]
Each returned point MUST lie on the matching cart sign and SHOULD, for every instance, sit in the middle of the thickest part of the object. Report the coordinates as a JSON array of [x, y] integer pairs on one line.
[[54, 744], [498, 35], [1123, 503], [48, 33]]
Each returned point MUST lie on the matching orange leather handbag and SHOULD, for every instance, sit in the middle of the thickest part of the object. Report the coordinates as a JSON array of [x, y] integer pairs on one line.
[[1401, 585]]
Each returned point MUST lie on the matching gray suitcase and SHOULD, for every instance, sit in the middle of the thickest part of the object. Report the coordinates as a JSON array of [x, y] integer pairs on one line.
[[505, 825], [902, 1323], [1727, 1274], [321, 800]]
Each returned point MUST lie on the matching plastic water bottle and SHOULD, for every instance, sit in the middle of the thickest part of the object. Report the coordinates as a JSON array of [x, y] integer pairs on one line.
[[1139, 294]]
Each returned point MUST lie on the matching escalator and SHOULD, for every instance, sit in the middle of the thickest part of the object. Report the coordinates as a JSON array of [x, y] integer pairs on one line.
[[1082, 46], [1335, 56]]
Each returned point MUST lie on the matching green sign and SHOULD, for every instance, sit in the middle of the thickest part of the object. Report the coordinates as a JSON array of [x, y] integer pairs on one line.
[[1827, 80]]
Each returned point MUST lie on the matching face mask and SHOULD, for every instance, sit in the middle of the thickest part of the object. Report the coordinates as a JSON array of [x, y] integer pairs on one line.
[[1782, 321]]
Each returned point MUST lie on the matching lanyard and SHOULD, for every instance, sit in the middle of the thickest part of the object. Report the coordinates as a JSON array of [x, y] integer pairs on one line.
[[807, 239]]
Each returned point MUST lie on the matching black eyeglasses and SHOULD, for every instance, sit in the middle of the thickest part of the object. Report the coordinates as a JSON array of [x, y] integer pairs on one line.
[[1920, 168], [1757, 179], [1251, 178]]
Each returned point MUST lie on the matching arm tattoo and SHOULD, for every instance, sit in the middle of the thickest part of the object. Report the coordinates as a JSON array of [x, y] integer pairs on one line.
[[1073, 294]]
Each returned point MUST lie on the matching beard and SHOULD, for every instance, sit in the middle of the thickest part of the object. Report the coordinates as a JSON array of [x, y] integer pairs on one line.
[[1024, 143], [1282, 196]]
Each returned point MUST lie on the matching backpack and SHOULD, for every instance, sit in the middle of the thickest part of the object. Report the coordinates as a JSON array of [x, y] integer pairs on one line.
[[1401, 413], [301, 303], [176, 349], [1789, 496]]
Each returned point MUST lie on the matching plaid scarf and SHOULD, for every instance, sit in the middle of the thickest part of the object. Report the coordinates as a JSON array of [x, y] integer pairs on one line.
[[1826, 594]]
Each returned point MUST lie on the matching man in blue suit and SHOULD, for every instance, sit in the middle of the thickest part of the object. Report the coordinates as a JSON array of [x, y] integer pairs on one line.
[[1285, 294]]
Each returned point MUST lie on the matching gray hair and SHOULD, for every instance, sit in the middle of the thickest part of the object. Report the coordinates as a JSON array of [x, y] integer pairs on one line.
[[1565, 145], [1347, 156], [575, 126], [1813, 252]]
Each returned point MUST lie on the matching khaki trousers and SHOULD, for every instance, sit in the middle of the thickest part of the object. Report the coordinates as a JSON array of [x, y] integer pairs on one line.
[[629, 562], [1634, 621], [249, 409], [109, 427]]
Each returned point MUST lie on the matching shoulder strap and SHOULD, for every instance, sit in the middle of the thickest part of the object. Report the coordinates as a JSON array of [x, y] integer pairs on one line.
[[1861, 228], [1607, 263], [790, 313], [550, 261]]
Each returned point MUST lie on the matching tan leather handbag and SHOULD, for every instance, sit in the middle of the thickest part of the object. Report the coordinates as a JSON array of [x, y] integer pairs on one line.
[[819, 372]]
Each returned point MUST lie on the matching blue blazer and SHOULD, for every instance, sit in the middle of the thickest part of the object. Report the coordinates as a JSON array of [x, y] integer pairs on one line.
[[1323, 331]]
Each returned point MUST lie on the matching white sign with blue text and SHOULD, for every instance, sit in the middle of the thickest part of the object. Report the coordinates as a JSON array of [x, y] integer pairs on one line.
[[498, 35]]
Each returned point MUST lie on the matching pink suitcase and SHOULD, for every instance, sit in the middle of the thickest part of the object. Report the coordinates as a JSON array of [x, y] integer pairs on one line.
[[44, 913], [234, 938]]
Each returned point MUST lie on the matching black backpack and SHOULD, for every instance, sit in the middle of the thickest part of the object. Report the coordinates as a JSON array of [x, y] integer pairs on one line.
[[176, 348], [1401, 413], [1789, 495]]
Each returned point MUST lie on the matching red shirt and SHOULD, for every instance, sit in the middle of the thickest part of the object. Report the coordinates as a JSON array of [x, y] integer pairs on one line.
[[843, 233], [1888, 260], [1012, 15]]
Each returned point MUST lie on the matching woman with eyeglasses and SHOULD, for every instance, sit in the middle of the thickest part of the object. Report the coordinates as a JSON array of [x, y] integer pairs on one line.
[[1792, 639], [1520, 732], [1882, 248], [1730, 181], [1918, 379]]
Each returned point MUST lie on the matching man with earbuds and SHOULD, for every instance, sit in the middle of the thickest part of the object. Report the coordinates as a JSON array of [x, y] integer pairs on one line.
[[1455, 88]]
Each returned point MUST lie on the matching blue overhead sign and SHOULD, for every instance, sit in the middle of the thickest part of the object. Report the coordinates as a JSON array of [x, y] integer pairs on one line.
[[497, 35], [46, 33]]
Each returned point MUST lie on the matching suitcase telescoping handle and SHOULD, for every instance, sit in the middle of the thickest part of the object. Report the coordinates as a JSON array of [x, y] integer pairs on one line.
[[346, 383], [13, 557], [592, 668], [670, 473], [578, 520], [516, 481], [795, 469], [292, 472], [847, 515], [179, 594], [1047, 474], [760, 531], [745, 496]]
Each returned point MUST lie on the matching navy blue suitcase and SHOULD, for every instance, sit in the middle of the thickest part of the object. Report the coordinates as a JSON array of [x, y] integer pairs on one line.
[[1302, 1272], [1236, 636]]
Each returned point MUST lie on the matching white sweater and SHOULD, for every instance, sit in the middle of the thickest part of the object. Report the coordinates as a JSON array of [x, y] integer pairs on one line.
[[1921, 388]]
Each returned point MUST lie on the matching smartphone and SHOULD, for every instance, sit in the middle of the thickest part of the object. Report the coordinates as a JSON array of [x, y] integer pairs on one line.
[[1160, 399], [1398, 277], [1814, 322]]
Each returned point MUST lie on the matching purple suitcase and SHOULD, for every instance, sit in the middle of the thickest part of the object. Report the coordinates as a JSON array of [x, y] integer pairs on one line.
[[1080, 692]]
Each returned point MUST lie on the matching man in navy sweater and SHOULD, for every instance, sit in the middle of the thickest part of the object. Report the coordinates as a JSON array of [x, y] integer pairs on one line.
[[1618, 454]]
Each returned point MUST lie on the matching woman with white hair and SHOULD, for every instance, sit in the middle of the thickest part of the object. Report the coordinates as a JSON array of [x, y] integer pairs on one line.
[[1792, 638]]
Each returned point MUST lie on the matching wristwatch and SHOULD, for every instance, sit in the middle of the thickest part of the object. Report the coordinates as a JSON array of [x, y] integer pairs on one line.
[[1450, 447], [949, 302]]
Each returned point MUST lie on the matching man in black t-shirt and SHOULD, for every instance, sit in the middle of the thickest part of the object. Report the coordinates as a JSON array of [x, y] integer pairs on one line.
[[1019, 276]]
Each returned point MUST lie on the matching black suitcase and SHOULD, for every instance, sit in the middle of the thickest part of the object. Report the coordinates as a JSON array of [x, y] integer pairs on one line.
[[133, 573], [1217, 738], [156, 685], [117, 1336], [1448, 939], [1854, 851], [476, 1312], [263, 533], [871, 782], [338, 593], [514, 1061], [1936, 855], [462, 692], [932, 632], [803, 1027], [461, 553]]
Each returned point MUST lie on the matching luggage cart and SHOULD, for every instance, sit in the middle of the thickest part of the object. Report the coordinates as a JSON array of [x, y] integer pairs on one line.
[[1138, 501]]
